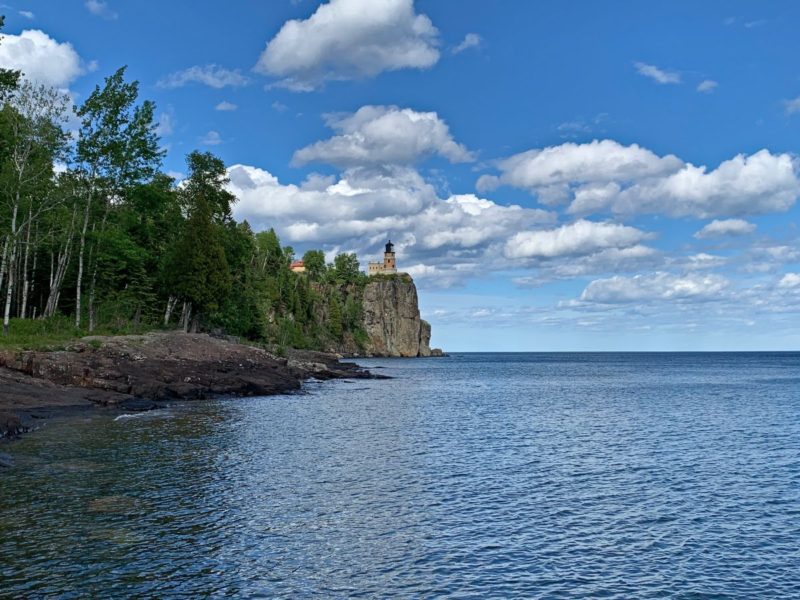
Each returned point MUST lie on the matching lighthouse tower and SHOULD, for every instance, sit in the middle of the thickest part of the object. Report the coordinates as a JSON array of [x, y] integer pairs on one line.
[[389, 264]]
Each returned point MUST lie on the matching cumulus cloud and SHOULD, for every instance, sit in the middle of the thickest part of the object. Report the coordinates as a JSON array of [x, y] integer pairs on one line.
[[578, 238], [100, 9], [350, 39], [606, 176], [471, 40], [790, 281], [226, 106], [41, 58], [707, 86], [384, 135], [607, 260], [654, 287], [598, 163], [725, 227], [450, 237], [211, 75], [658, 75]]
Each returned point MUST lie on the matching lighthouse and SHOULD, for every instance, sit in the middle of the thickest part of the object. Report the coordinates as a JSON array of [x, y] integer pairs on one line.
[[389, 264]]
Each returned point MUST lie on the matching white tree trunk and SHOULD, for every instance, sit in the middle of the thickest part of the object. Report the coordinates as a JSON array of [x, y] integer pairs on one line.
[[3, 261], [12, 241], [186, 316], [9, 290], [171, 302], [25, 280], [57, 280], [80, 261]]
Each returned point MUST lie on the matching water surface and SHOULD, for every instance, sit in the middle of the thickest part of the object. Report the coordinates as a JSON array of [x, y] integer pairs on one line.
[[479, 475]]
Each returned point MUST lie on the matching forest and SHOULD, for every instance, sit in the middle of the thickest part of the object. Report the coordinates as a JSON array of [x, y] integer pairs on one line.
[[96, 239]]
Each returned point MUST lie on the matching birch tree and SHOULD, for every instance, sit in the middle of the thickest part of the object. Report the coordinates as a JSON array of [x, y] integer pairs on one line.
[[33, 123], [117, 148]]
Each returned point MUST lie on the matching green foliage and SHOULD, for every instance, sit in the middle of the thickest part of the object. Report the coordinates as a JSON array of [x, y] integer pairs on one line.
[[149, 250], [314, 261], [39, 334], [9, 78], [118, 143], [346, 268]]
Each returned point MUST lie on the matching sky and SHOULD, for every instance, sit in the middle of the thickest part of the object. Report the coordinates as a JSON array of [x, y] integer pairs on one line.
[[556, 176]]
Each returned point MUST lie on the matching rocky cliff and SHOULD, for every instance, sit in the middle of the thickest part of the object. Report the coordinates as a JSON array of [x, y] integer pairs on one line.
[[391, 318]]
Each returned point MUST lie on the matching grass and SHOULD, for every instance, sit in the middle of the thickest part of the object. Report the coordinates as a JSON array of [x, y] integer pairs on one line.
[[55, 333]]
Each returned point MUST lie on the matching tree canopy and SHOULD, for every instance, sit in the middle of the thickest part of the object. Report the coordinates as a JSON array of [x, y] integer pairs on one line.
[[94, 234]]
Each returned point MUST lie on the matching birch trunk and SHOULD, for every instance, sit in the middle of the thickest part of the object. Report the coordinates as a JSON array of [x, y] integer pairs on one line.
[[3, 261], [25, 280], [171, 302], [186, 316], [57, 280], [81, 253], [9, 290], [29, 289], [12, 241]]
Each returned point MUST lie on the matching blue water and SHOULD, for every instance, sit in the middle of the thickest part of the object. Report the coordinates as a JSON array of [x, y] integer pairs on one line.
[[474, 476]]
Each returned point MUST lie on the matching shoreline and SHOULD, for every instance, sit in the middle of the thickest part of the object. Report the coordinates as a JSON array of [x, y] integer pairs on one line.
[[140, 372]]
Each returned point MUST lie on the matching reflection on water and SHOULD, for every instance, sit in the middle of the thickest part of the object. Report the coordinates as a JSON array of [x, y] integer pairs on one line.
[[558, 475]]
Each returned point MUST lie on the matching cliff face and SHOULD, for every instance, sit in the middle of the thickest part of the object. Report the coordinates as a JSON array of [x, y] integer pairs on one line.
[[391, 318]]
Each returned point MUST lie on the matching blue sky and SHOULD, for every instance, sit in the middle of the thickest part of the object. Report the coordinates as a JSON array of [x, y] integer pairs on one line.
[[556, 176]]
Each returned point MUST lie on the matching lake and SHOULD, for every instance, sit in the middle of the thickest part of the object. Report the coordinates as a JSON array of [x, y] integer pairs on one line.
[[473, 476]]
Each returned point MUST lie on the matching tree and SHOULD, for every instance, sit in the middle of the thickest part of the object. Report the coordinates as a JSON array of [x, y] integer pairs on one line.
[[9, 78], [314, 261], [32, 126], [335, 318], [198, 267], [117, 147], [346, 267]]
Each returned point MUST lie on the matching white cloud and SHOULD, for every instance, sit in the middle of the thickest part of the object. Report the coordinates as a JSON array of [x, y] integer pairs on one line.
[[707, 86], [596, 162], [607, 260], [100, 9], [212, 138], [41, 58], [790, 281], [384, 135], [27, 14], [454, 237], [350, 39], [702, 260], [211, 75], [653, 287], [471, 40], [606, 176], [166, 124], [226, 106], [576, 239], [719, 228], [658, 75], [792, 106]]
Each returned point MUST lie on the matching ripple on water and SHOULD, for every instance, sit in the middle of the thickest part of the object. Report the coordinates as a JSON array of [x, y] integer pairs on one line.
[[558, 476]]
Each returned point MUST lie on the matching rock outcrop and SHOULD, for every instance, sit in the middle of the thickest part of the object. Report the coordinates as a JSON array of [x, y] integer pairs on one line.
[[135, 372], [392, 320]]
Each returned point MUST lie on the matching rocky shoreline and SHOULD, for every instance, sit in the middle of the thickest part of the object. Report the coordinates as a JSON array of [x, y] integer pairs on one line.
[[130, 373]]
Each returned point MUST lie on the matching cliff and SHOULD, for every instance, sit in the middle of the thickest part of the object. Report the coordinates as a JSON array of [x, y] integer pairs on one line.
[[392, 320]]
